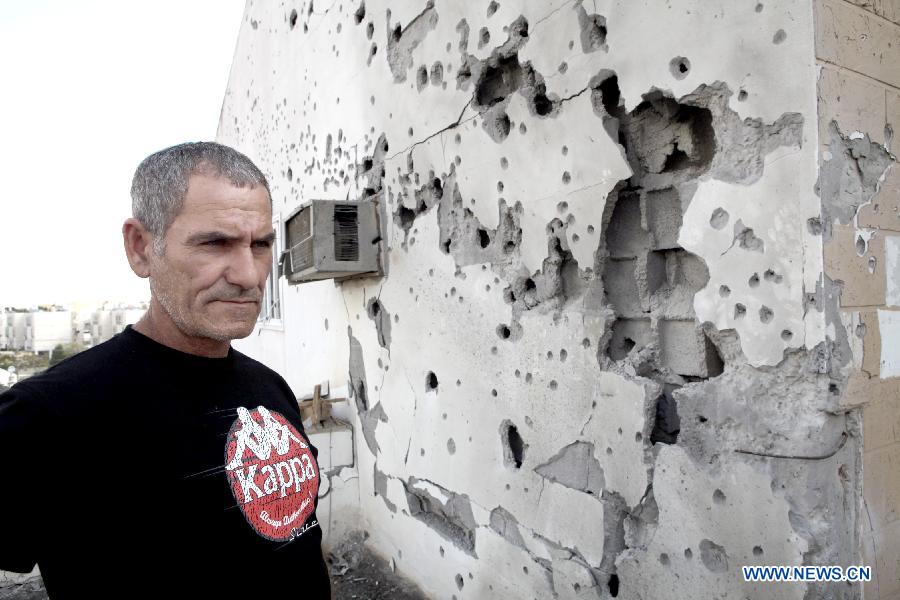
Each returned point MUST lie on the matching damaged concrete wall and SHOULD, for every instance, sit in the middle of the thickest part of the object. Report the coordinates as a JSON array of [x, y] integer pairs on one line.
[[601, 362], [858, 51]]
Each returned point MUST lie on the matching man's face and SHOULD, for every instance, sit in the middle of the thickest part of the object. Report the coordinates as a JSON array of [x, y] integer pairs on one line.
[[218, 254]]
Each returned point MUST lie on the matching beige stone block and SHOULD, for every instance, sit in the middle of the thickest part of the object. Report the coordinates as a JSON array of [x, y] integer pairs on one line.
[[881, 422], [881, 484], [884, 210], [863, 390], [871, 360], [892, 105], [863, 282], [890, 9], [881, 551], [858, 40], [854, 102], [867, 550], [869, 5], [864, 338], [860, 390]]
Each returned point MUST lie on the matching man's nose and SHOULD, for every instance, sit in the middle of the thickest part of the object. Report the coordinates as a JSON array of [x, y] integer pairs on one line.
[[243, 269]]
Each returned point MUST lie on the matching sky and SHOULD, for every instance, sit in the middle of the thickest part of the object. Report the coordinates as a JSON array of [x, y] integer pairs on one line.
[[90, 88]]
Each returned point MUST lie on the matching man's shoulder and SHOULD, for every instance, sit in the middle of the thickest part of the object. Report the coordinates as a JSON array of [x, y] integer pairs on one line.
[[102, 357], [89, 366], [247, 365]]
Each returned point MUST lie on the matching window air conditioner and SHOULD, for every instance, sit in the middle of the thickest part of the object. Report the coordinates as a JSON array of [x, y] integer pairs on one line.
[[331, 239]]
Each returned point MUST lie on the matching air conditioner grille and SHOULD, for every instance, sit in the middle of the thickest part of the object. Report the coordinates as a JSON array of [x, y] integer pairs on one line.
[[302, 255], [346, 233], [299, 227]]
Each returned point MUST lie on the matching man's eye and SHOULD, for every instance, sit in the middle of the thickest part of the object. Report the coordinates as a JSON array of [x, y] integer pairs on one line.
[[213, 242], [262, 244]]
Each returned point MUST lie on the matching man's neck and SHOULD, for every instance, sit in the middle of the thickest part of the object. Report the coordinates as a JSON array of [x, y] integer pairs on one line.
[[159, 327]]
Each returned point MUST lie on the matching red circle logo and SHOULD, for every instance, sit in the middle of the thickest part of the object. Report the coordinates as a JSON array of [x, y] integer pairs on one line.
[[273, 473]]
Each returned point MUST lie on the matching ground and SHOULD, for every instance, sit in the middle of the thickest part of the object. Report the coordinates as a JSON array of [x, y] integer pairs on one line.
[[356, 574], [32, 589]]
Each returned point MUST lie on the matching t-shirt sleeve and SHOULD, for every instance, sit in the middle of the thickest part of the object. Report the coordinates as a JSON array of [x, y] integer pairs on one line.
[[21, 453]]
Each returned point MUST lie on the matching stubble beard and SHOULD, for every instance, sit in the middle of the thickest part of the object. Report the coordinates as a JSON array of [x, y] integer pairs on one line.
[[191, 326]]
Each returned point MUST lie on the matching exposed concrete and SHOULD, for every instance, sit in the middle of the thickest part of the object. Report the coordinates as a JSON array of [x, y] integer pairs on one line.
[[380, 485], [506, 526], [851, 171], [402, 40], [382, 320], [369, 416], [446, 512], [575, 467]]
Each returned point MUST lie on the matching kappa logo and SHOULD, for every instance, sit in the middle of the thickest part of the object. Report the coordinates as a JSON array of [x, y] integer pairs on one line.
[[272, 472]]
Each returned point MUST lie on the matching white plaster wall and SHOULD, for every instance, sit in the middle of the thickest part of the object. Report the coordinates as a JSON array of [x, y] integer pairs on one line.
[[302, 349], [308, 102], [694, 515]]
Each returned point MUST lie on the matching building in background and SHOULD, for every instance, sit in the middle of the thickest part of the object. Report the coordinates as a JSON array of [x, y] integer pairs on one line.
[[44, 330], [12, 329], [38, 330], [107, 322], [7, 377]]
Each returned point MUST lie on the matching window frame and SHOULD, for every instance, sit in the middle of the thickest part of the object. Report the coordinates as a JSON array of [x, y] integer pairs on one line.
[[269, 308]]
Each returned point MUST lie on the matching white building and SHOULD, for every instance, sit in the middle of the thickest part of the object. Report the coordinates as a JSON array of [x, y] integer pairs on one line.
[[44, 330], [82, 323], [9, 377], [105, 323], [12, 330]]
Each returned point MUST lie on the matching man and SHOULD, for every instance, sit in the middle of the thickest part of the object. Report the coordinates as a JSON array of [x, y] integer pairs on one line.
[[163, 463]]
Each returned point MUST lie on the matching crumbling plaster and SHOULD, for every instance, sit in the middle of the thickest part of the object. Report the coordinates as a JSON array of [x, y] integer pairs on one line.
[[557, 402]]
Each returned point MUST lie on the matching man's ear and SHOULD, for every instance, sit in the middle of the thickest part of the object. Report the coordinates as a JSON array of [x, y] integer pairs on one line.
[[138, 246]]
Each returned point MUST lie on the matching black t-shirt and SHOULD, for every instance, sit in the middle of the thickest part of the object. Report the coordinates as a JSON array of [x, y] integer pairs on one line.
[[136, 470]]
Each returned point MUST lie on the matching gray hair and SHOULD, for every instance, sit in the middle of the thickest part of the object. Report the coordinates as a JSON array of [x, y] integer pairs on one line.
[[161, 181]]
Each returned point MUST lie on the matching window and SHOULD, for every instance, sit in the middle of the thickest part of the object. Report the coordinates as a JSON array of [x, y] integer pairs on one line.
[[271, 305]]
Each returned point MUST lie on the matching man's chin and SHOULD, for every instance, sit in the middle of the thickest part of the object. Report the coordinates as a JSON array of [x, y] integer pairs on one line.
[[229, 329], [242, 333], [226, 334], [222, 320]]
